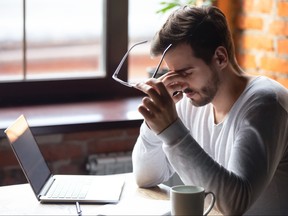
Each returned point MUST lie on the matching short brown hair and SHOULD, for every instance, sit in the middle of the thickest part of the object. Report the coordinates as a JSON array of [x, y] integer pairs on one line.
[[204, 28]]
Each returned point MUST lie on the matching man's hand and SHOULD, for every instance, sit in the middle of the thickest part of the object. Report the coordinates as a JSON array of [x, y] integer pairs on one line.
[[158, 108], [174, 85]]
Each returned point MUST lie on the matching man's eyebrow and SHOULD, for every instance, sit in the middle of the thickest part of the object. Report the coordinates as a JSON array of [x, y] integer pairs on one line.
[[182, 69]]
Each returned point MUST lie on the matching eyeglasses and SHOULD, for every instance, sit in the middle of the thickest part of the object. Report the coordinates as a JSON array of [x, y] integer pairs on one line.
[[115, 75]]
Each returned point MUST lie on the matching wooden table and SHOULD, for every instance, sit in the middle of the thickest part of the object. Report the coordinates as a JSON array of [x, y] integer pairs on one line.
[[20, 200]]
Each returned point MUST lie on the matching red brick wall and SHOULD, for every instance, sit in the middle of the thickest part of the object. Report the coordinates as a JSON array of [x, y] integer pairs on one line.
[[260, 29], [67, 153]]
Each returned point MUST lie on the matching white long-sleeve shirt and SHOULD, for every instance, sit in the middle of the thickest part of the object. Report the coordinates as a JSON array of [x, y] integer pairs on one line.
[[243, 160]]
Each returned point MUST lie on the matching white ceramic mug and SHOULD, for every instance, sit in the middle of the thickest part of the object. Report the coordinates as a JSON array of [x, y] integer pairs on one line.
[[189, 200]]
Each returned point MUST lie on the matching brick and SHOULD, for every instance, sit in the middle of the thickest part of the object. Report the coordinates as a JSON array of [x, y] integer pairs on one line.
[[7, 158], [4, 144], [51, 139], [12, 176], [279, 27], [283, 81], [274, 64], [229, 8], [257, 42], [257, 6], [282, 8], [247, 61], [62, 152], [248, 22], [253, 73], [94, 135], [282, 46], [111, 146], [133, 132]]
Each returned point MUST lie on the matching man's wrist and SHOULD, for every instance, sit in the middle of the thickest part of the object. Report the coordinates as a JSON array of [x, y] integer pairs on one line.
[[174, 133]]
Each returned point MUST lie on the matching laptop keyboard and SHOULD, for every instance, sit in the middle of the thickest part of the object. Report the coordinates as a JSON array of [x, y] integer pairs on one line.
[[69, 190]]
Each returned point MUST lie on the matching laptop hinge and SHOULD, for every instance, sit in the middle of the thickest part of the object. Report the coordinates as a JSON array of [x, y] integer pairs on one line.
[[46, 187]]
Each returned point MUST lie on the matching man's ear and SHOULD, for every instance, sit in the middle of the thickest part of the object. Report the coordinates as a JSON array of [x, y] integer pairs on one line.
[[221, 57]]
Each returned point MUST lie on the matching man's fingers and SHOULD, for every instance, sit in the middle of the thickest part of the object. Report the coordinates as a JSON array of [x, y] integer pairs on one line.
[[154, 89]]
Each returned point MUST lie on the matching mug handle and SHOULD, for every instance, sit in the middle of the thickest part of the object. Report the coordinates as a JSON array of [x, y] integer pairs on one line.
[[211, 204]]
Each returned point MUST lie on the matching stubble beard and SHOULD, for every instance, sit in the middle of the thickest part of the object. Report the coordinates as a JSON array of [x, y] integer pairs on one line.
[[208, 92]]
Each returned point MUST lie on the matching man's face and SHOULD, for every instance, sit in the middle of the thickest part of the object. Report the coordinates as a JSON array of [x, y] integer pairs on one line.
[[199, 81]]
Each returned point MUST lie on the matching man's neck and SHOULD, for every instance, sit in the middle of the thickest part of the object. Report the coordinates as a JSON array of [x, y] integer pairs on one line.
[[230, 89]]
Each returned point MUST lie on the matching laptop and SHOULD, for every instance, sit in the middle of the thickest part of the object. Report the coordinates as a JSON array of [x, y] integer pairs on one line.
[[49, 188]]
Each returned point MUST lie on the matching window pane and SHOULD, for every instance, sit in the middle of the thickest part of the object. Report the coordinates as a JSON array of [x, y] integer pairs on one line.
[[11, 39], [143, 24], [63, 38]]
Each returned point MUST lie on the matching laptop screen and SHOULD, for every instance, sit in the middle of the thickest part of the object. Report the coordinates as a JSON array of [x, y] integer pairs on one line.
[[28, 154]]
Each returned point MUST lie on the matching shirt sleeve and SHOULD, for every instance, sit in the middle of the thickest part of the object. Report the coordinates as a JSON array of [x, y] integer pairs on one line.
[[150, 164]]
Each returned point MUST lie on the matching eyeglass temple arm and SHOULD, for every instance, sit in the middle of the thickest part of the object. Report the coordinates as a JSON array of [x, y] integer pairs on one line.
[[158, 66], [124, 58]]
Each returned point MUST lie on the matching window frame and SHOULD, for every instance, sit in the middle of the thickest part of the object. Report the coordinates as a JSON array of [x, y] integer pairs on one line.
[[51, 91]]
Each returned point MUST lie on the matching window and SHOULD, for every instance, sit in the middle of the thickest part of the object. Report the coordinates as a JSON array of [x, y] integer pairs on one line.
[[67, 50], [62, 40], [54, 50]]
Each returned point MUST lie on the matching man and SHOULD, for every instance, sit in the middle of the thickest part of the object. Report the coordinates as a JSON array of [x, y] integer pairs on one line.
[[211, 123]]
